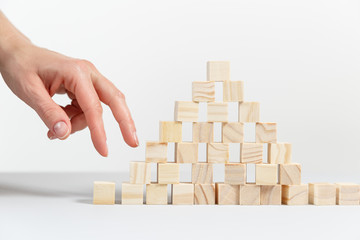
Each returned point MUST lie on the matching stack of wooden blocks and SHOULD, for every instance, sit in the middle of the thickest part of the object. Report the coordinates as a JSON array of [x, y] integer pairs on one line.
[[277, 178]]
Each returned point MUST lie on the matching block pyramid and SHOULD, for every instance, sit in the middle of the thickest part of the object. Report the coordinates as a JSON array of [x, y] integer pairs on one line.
[[277, 178]]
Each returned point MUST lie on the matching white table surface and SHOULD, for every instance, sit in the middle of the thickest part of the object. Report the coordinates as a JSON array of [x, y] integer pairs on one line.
[[58, 206]]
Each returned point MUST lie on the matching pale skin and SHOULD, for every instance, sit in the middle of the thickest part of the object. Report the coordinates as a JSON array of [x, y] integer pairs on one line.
[[36, 74]]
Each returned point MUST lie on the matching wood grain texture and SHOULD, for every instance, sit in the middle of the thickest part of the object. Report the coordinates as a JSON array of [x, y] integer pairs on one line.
[[270, 195], [140, 172], [233, 91], [203, 91], [132, 194], [202, 173], [232, 132], [227, 194], [251, 152], [217, 152], [322, 193], [218, 71], [156, 152], [186, 152], [203, 132], [266, 174], [183, 194], [290, 174], [235, 173], [265, 132], [249, 194], [204, 194], [217, 112], [249, 112], [168, 173], [156, 194], [295, 194], [170, 131], [104, 193], [186, 111], [347, 194], [279, 153]]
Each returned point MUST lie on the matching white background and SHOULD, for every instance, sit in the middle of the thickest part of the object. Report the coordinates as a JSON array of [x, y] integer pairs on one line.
[[300, 59]]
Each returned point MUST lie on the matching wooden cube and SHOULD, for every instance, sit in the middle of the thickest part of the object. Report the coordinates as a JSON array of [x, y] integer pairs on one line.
[[233, 91], [140, 172], [183, 194], [156, 152], [217, 112], [204, 194], [266, 174], [186, 111], [235, 173], [290, 174], [249, 112], [251, 152], [170, 131], [249, 194], [322, 193], [232, 132], [156, 194], [168, 173], [266, 132], [217, 153], [202, 173], [132, 194], [347, 194], [186, 152], [203, 91], [218, 71], [203, 132], [104, 193], [270, 195], [227, 194], [279, 152], [295, 194]]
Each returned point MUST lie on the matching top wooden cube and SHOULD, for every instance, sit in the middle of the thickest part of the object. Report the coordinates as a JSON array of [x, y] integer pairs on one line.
[[218, 71]]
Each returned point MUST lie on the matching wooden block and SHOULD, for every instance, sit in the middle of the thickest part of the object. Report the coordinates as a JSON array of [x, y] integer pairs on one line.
[[203, 91], [168, 173], [279, 152], [270, 195], [251, 152], [249, 112], [156, 194], [227, 194], [218, 71], [104, 193], [140, 172], [217, 112], [202, 173], [186, 111], [132, 194], [186, 152], [249, 194], [347, 194], [170, 131], [290, 174], [204, 194], [295, 194], [233, 91], [322, 193], [217, 152], [266, 132], [235, 173], [233, 132], [156, 152], [266, 174], [183, 194], [203, 132]]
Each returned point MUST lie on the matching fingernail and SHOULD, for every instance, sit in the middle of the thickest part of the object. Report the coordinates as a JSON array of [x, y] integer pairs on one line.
[[61, 129], [136, 139]]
